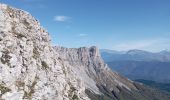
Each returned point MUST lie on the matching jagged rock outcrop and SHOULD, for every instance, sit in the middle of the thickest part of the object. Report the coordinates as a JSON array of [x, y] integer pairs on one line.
[[101, 83], [90, 68], [31, 69], [28, 67]]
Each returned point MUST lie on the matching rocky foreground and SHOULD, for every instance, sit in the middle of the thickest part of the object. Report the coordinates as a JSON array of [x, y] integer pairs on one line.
[[31, 69]]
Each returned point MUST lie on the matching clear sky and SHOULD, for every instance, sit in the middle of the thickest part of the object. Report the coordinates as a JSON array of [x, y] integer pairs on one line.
[[108, 24]]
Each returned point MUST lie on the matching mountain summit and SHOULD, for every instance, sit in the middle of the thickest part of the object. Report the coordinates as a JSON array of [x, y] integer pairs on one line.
[[31, 69]]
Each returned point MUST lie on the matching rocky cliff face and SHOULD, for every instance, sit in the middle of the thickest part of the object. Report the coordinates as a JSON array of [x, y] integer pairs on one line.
[[28, 67], [100, 82], [31, 69], [90, 68]]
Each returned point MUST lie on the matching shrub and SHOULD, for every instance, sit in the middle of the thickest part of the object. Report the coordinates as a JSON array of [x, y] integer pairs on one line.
[[20, 84], [75, 97], [19, 36], [35, 53], [28, 95], [4, 89], [44, 65], [5, 57]]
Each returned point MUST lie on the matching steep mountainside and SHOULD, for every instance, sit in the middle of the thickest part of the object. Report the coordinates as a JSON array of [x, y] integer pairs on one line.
[[98, 78], [31, 69]]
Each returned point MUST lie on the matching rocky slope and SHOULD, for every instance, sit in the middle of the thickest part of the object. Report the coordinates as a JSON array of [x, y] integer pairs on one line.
[[28, 67], [101, 83], [90, 68], [31, 69]]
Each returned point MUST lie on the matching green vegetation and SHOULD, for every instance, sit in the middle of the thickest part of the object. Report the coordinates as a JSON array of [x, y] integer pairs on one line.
[[72, 94], [10, 11], [20, 84], [28, 95], [72, 89], [4, 89], [142, 93], [20, 36], [0, 39], [5, 57], [36, 53], [32, 89], [160, 86], [94, 96], [44, 65], [75, 97]]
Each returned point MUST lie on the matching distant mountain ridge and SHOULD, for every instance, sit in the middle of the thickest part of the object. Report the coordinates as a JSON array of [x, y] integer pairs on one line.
[[139, 64], [135, 55]]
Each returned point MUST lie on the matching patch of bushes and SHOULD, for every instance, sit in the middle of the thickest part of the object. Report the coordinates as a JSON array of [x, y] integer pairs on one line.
[[71, 93], [5, 57], [75, 97], [72, 89], [20, 84], [36, 53], [94, 96], [19, 36], [10, 11], [44, 65], [4, 89], [28, 95]]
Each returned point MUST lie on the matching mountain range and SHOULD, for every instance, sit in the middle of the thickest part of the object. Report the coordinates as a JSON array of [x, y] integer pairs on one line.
[[139, 64], [135, 55]]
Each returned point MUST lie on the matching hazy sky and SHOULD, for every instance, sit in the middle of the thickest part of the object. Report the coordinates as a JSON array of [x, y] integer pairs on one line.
[[109, 24]]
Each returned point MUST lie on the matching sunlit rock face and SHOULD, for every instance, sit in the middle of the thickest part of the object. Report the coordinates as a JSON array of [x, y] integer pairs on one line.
[[100, 82], [91, 69], [31, 69]]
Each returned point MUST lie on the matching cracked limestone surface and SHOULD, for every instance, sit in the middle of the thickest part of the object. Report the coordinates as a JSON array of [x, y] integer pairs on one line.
[[28, 67], [91, 69]]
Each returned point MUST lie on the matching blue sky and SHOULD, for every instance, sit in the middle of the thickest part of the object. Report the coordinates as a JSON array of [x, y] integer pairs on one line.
[[108, 24]]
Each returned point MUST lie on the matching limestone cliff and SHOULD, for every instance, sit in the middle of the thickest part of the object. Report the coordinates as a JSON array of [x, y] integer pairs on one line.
[[100, 82], [28, 67], [90, 68]]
